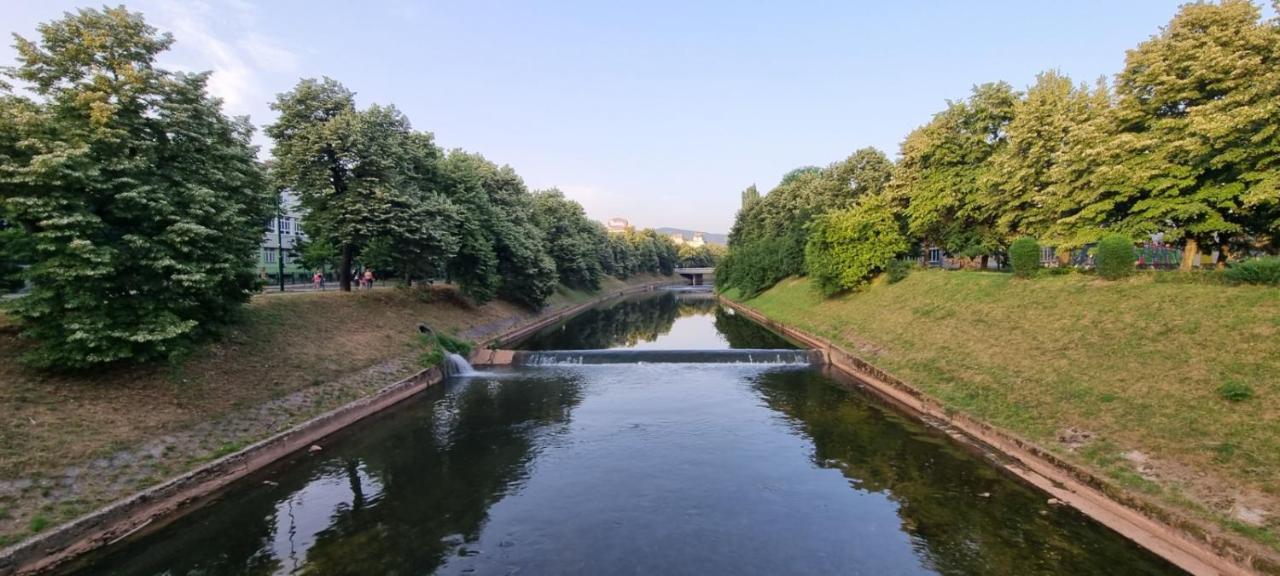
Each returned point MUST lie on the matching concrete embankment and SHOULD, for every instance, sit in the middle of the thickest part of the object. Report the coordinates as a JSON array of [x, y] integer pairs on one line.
[[1173, 538], [155, 507]]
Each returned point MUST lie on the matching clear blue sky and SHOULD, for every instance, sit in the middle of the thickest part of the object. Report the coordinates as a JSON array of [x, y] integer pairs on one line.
[[657, 111]]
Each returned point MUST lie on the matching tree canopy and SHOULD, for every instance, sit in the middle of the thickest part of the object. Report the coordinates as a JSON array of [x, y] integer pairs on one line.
[[1183, 147], [139, 203]]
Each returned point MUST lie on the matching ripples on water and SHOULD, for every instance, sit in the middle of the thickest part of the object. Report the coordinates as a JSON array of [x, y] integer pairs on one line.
[[637, 469]]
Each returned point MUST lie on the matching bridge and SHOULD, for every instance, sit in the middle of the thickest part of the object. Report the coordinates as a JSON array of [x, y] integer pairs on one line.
[[696, 275]]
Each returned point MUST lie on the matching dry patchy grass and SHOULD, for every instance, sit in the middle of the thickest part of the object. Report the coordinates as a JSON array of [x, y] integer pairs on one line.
[[52, 426], [1138, 363]]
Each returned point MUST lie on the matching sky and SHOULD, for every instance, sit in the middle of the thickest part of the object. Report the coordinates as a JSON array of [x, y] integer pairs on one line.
[[659, 111]]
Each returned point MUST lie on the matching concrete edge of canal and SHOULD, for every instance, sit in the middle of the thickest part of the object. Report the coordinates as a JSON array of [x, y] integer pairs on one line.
[[1180, 540], [155, 507]]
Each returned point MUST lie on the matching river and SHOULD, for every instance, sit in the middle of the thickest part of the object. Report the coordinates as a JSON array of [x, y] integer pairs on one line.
[[637, 468]]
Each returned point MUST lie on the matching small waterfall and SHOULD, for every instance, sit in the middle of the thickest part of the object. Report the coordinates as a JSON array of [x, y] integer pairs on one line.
[[456, 365], [740, 356]]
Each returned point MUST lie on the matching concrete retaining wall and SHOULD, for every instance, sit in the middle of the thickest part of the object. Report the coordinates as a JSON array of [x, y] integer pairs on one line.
[[155, 507], [1178, 540]]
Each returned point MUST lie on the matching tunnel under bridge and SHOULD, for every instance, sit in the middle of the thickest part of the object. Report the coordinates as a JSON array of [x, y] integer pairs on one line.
[[697, 276]]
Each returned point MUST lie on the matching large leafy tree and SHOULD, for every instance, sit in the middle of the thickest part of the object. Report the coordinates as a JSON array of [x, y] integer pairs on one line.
[[1019, 188], [142, 202], [1199, 122], [573, 240], [769, 233], [942, 172], [847, 246], [502, 252], [318, 148]]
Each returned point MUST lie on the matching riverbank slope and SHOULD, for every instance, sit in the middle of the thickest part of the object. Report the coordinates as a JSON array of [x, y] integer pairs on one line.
[[1139, 381], [73, 443]]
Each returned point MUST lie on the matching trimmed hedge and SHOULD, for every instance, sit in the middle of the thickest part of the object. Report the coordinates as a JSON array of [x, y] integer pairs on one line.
[[1264, 271], [1024, 255], [1115, 257]]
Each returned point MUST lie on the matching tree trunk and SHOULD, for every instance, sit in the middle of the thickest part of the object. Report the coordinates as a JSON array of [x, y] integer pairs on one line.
[[1224, 252], [1190, 252], [344, 274], [982, 262]]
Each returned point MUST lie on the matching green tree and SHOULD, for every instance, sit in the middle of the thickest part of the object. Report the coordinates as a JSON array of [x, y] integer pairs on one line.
[[1196, 146], [1019, 187], [941, 176], [316, 149], [143, 203], [502, 252], [573, 240], [771, 232], [847, 247], [315, 254]]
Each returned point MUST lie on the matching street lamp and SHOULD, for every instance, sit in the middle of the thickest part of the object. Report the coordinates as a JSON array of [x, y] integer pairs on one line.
[[280, 239]]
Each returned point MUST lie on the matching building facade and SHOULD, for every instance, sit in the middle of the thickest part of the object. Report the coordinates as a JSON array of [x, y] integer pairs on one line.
[[278, 241]]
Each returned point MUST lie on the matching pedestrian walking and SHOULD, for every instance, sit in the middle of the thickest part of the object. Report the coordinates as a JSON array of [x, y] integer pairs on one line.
[[317, 281], [367, 280]]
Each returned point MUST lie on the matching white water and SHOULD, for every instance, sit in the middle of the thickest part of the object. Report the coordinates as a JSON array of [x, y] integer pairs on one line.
[[458, 366]]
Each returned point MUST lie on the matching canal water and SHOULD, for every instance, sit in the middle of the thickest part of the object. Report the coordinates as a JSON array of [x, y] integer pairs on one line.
[[637, 468]]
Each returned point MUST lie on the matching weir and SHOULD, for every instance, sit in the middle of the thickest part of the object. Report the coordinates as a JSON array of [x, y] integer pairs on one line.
[[730, 356], [727, 454]]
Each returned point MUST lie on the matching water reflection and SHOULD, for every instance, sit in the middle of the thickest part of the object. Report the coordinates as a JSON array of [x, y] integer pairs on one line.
[[665, 320], [963, 515], [642, 469], [394, 496]]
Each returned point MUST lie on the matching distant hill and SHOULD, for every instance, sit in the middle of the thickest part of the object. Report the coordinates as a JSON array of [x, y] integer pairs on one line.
[[709, 237]]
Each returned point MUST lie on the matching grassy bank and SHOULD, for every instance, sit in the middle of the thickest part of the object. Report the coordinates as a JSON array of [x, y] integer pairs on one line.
[[72, 443], [1171, 390]]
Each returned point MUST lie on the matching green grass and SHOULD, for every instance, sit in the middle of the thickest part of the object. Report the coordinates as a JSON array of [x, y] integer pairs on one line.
[[1184, 373]]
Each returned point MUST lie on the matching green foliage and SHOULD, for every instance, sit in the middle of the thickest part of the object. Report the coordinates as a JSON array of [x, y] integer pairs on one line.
[[366, 180], [1188, 147], [1264, 271], [1114, 257], [897, 270], [943, 175], [141, 203], [572, 239], [434, 346], [15, 251], [704, 256], [767, 242], [432, 353], [1024, 255], [314, 254], [848, 246], [1235, 391], [753, 267], [455, 345]]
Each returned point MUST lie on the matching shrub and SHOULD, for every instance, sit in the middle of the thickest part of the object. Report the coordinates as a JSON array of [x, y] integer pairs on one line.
[[847, 246], [1264, 271], [455, 345], [1115, 257], [435, 346], [1235, 391], [897, 270], [1024, 255]]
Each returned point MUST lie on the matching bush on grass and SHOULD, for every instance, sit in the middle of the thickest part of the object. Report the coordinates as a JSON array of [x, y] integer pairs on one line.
[[1024, 255], [1115, 257], [1264, 271]]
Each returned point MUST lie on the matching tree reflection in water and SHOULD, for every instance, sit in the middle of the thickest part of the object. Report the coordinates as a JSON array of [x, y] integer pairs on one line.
[[963, 514], [400, 493]]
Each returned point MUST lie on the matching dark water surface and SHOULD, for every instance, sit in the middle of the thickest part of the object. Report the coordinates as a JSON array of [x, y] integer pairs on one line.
[[637, 469]]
